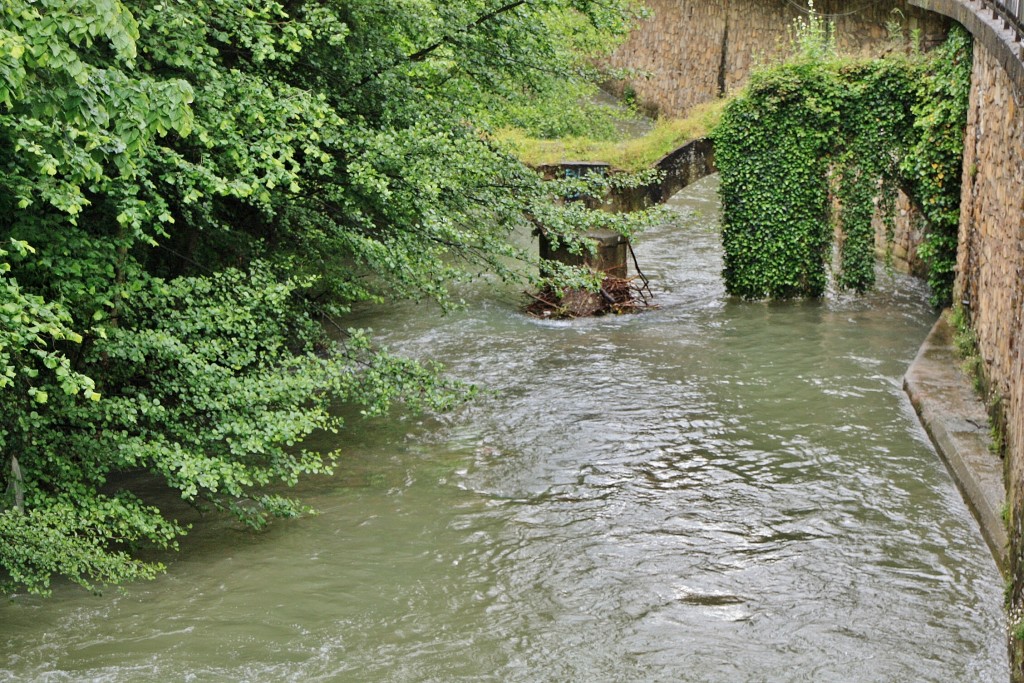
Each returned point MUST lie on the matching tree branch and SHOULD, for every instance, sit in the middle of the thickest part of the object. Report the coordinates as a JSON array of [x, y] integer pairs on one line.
[[422, 54]]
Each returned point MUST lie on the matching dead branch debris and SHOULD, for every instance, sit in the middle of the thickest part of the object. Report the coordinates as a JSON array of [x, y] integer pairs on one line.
[[617, 295]]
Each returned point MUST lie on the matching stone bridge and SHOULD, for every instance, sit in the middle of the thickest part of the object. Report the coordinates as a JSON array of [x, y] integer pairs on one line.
[[696, 50]]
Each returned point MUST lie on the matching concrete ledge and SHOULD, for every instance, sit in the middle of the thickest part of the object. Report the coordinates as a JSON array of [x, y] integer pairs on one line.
[[956, 420], [677, 169]]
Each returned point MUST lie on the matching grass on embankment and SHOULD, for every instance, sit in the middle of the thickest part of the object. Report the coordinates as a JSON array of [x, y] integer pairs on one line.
[[634, 154]]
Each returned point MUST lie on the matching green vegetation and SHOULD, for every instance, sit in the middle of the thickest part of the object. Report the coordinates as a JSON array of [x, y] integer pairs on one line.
[[190, 191], [569, 110], [933, 165], [1017, 630], [821, 127], [632, 154], [965, 341]]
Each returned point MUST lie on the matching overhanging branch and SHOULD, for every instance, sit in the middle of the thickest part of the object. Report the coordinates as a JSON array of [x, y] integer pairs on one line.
[[422, 54]]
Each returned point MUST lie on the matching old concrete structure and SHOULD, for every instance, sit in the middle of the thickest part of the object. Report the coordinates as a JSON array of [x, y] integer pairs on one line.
[[695, 50], [677, 169]]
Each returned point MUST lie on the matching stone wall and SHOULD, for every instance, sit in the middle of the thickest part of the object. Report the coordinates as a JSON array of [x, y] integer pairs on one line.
[[692, 51], [990, 273], [908, 234], [680, 51]]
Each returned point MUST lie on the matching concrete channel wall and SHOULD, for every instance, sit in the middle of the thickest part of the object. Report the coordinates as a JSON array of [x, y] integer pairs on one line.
[[676, 170]]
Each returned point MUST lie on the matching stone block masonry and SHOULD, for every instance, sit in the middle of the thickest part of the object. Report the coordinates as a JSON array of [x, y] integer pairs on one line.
[[990, 260], [693, 51], [990, 277], [908, 234]]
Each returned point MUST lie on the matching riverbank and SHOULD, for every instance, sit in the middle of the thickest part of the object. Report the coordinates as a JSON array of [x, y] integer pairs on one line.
[[955, 419]]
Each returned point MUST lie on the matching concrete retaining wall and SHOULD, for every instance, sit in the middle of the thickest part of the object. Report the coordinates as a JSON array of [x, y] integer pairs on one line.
[[688, 164], [677, 169]]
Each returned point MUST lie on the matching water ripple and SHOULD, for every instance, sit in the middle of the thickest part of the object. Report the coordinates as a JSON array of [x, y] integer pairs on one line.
[[714, 491]]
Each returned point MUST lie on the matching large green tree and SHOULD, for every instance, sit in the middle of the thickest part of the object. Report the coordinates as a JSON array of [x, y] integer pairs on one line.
[[190, 192]]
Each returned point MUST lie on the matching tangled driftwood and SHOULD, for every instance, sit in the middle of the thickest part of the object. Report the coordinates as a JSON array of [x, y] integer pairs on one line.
[[616, 295]]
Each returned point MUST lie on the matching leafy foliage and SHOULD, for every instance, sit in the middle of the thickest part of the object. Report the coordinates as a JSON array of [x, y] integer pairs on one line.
[[875, 132], [632, 154], [572, 110], [933, 163], [819, 127], [771, 149], [189, 191]]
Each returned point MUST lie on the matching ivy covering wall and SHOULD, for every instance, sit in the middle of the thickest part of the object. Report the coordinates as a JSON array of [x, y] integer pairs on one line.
[[821, 127]]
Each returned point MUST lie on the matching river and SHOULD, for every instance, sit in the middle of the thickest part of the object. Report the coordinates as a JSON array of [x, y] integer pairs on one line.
[[713, 491]]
